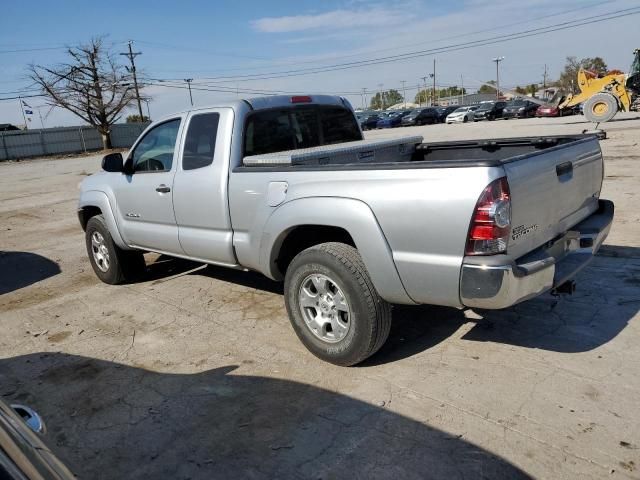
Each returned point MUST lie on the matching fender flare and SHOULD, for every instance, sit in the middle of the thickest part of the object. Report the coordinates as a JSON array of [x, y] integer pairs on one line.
[[96, 198], [355, 217]]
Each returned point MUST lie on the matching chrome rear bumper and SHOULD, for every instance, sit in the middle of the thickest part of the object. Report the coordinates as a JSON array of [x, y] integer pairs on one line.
[[489, 282]]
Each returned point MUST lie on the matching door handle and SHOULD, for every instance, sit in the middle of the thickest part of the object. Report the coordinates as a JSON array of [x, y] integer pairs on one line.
[[564, 168], [163, 188]]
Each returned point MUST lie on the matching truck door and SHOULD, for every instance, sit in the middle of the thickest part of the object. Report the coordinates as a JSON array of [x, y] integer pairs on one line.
[[200, 187], [144, 196]]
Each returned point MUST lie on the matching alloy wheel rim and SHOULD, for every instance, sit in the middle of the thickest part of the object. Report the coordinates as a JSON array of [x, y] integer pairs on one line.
[[324, 308], [100, 252]]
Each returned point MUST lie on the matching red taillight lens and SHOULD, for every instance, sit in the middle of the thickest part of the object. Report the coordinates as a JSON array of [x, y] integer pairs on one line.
[[491, 222], [301, 99]]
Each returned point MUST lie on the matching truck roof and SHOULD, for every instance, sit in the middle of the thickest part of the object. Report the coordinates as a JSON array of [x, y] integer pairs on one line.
[[271, 101]]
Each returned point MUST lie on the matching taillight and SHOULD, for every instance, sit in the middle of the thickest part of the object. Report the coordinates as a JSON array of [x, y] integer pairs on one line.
[[491, 222]]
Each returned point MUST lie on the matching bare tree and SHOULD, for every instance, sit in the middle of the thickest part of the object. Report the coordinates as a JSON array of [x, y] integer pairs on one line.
[[92, 86]]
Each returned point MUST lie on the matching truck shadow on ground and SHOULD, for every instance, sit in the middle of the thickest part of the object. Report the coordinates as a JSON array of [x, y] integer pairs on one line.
[[21, 269], [113, 421], [606, 300]]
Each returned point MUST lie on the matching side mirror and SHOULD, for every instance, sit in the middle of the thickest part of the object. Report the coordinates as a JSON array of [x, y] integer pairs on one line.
[[112, 162]]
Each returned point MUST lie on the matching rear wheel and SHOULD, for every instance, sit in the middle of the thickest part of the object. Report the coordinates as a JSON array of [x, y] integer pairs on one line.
[[333, 306], [465, 120], [111, 264], [601, 107]]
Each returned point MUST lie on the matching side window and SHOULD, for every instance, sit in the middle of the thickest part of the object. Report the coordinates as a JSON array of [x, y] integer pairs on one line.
[[155, 151], [200, 142]]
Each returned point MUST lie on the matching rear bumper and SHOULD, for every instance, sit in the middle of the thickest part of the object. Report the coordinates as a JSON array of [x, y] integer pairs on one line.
[[486, 282]]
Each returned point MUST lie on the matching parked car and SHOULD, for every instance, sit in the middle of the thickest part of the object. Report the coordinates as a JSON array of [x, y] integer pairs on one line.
[[489, 111], [23, 454], [461, 114], [443, 112], [393, 119], [519, 109], [554, 111], [420, 117], [370, 121], [228, 185]]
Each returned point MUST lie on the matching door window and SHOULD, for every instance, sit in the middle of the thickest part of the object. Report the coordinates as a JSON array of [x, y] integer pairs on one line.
[[200, 141], [154, 153]]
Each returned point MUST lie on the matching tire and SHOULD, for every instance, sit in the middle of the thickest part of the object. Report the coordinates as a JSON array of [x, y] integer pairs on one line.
[[465, 119], [361, 317], [601, 107], [110, 263]]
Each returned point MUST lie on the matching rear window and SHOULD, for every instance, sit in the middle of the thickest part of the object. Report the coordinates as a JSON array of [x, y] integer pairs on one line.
[[278, 130]]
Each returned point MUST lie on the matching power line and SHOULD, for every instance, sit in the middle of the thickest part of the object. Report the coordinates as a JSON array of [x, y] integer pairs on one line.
[[421, 53]]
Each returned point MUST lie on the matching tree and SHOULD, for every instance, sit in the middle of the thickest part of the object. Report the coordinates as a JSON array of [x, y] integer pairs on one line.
[[91, 85], [569, 76], [136, 118], [386, 99], [520, 90], [488, 88]]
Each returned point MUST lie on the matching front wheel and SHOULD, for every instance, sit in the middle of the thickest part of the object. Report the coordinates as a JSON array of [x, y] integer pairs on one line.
[[601, 107], [110, 263], [333, 306]]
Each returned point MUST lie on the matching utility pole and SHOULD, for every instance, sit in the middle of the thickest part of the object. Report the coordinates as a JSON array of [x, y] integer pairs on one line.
[[148, 111], [189, 80], [462, 90], [434, 82], [404, 92], [40, 115], [498, 60], [131, 55], [544, 82], [364, 93], [424, 79]]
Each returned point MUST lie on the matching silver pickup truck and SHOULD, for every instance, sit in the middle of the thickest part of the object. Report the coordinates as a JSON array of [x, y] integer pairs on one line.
[[287, 186]]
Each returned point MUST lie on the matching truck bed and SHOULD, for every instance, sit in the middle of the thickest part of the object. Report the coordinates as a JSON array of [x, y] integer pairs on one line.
[[411, 152]]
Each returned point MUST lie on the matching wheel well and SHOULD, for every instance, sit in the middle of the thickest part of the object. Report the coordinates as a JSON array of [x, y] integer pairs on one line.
[[305, 236], [85, 213]]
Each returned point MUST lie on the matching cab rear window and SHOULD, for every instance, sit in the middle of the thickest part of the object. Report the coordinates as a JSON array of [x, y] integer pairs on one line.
[[277, 130]]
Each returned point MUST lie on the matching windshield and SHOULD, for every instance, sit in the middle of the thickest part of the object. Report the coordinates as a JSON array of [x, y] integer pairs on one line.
[[485, 106], [517, 103], [461, 110], [278, 130]]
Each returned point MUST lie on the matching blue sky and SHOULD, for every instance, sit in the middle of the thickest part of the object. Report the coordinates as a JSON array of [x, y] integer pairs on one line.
[[198, 39]]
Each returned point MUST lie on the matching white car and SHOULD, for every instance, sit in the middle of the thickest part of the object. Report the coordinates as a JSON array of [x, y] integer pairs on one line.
[[461, 115]]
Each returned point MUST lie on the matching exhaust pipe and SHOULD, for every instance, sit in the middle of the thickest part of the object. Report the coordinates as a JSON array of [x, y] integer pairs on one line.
[[567, 288]]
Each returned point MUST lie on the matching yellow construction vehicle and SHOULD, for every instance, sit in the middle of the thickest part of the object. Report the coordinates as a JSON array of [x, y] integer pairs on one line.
[[605, 96]]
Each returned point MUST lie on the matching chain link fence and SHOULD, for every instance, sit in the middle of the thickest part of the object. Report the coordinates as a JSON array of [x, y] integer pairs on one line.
[[55, 141]]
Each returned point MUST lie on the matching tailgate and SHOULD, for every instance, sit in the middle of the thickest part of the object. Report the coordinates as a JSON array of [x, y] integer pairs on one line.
[[552, 191]]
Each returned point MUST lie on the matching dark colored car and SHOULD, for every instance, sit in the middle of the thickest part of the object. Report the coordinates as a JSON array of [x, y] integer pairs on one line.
[[443, 112], [420, 117], [519, 109], [370, 122], [23, 455], [489, 111], [393, 120]]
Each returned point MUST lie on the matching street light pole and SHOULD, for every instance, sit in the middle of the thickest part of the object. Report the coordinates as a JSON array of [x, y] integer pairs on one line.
[[498, 60], [189, 80], [424, 79], [404, 92]]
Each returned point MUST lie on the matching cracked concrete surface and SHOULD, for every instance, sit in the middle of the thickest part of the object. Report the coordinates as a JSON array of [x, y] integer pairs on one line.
[[196, 373]]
